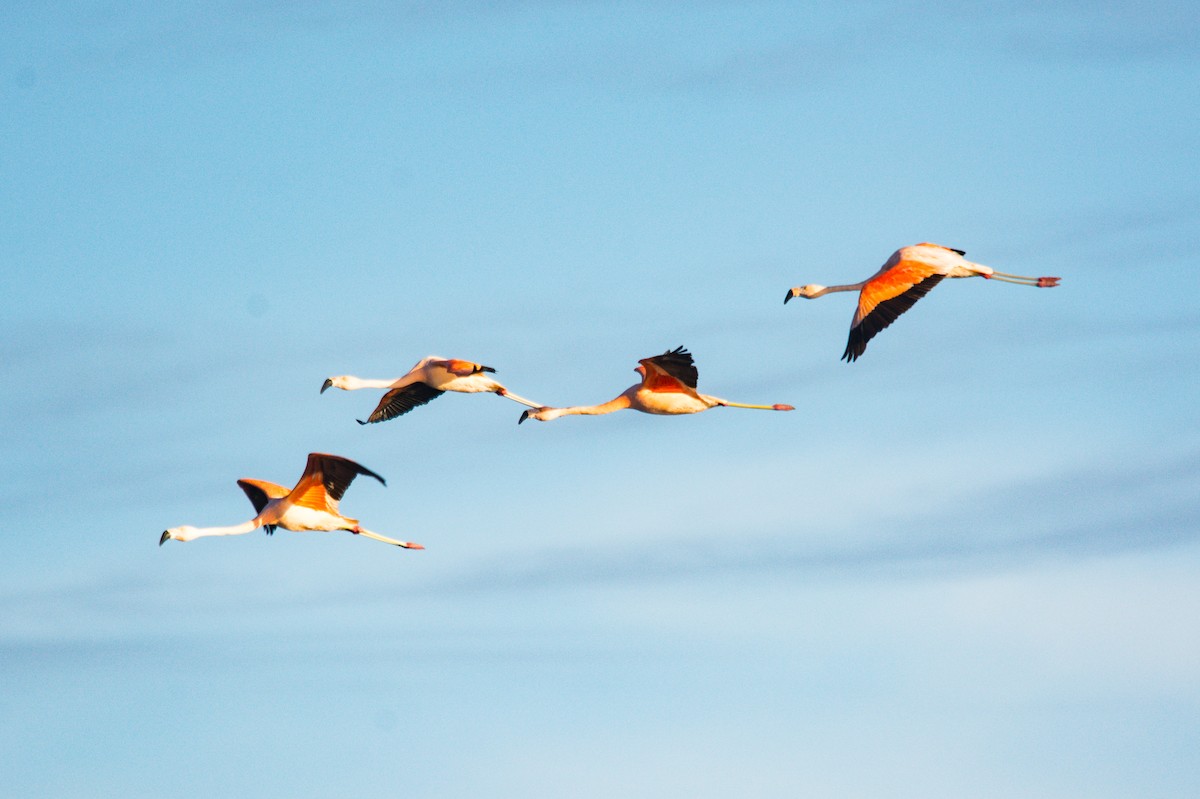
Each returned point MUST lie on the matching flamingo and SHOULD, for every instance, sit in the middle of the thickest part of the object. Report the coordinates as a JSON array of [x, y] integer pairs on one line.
[[906, 277], [427, 380], [311, 505], [668, 387]]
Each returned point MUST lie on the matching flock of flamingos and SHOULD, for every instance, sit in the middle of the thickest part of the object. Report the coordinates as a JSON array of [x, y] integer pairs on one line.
[[668, 386]]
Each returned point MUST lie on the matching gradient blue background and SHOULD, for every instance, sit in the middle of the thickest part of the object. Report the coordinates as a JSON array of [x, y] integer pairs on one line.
[[967, 565]]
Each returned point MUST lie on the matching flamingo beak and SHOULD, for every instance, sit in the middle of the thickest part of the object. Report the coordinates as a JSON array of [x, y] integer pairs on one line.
[[164, 538], [788, 296], [328, 382], [487, 369], [524, 416]]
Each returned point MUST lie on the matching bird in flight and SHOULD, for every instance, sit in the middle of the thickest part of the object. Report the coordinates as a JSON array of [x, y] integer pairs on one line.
[[429, 379], [906, 277], [668, 387], [311, 505]]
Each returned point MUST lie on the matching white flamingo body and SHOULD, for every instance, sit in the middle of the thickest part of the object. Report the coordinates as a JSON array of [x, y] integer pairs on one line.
[[660, 402], [907, 276], [312, 505], [668, 388], [426, 381], [298, 518]]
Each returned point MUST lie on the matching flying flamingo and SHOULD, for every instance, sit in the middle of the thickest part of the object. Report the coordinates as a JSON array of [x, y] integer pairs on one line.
[[429, 379], [668, 387], [311, 505], [906, 277]]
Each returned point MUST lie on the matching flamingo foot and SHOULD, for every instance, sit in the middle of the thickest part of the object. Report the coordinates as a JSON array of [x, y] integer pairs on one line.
[[1048, 282], [782, 407]]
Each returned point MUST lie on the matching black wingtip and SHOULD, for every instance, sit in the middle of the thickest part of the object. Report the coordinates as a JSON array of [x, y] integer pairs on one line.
[[360, 421]]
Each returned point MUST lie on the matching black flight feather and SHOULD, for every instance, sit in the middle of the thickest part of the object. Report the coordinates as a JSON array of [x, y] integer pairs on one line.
[[400, 401], [883, 315], [679, 365]]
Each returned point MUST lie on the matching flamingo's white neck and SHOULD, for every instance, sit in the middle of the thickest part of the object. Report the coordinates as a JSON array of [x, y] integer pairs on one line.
[[615, 404], [189, 533], [815, 290], [352, 383]]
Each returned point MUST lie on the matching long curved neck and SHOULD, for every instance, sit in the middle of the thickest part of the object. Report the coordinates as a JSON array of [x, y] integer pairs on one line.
[[831, 289], [236, 529], [614, 404], [353, 383]]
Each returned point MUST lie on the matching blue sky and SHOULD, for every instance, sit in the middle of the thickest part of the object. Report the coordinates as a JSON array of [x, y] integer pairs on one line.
[[965, 566]]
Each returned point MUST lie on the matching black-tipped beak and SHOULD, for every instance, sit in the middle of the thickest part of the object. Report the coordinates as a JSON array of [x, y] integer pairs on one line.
[[328, 382], [787, 297], [164, 538], [487, 369], [524, 416]]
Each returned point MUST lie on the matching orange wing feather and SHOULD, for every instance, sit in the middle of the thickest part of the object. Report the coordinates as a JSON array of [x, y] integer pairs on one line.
[[260, 492], [663, 383], [461, 368], [310, 493], [672, 372], [891, 283], [325, 480], [884, 298]]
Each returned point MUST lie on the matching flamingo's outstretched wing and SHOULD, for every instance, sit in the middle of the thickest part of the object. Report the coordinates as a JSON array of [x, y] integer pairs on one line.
[[887, 295], [400, 401], [672, 368], [260, 492], [325, 480]]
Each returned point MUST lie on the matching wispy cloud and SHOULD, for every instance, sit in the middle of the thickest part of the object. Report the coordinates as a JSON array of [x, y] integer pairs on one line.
[[1006, 529], [1106, 32], [1112, 31], [1079, 514], [1123, 230]]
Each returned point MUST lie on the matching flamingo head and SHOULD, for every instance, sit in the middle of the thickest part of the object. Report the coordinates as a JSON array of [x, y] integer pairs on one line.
[[340, 381], [182, 533], [542, 414], [808, 292]]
